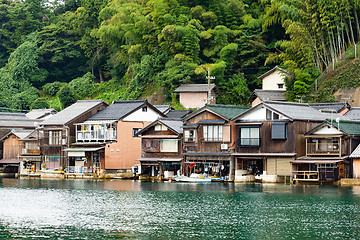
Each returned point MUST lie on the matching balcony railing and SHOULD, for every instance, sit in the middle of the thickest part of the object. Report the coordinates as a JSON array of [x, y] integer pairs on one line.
[[325, 149], [96, 136], [248, 142], [30, 151]]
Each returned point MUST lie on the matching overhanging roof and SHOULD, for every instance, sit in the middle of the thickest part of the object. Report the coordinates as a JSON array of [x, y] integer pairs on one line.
[[10, 161], [84, 149], [161, 159]]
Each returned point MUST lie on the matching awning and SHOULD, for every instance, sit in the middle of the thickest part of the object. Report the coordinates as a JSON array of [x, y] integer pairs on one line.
[[10, 161], [142, 159], [315, 161], [263, 154], [211, 122], [97, 122], [159, 136], [80, 152]]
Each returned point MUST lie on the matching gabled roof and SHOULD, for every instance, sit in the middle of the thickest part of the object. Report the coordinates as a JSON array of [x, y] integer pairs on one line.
[[178, 114], [72, 112], [164, 108], [356, 152], [295, 111], [16, 120], [195, 87], [329, 107], [273, 95], [174, 124], [273, 70], [120, 109], [13, 116], [40, 113], [226, 112], [353, 113], [20, 133], [346, 126]]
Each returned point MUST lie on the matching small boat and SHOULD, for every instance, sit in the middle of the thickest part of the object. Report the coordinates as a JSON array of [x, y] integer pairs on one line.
[[193, 178]]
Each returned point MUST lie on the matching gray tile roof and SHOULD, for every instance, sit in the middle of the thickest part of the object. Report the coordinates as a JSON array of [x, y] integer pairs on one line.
[[174, 124], [336, 106], [353, 113], [178, 114], [12, 116], [72, 112], [40, 113], [301, 111], [22, 133], [119, 110], [164, 108], [273, 95], [356, 152], [195, 87]]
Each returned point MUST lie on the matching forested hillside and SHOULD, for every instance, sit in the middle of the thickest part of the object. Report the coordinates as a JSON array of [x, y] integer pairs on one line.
[[55, 52]]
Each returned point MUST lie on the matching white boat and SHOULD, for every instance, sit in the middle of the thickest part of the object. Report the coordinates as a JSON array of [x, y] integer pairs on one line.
[[193, 178]]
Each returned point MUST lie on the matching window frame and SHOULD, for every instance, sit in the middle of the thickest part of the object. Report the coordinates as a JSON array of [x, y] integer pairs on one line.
[[216, 131], [249, 138], [285, 130]]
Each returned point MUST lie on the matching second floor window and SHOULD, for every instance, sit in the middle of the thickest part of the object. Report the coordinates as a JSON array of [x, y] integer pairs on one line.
[[213, 133], [189, 135], [135, 131], [54, 137], [249, 136], [168, 145]]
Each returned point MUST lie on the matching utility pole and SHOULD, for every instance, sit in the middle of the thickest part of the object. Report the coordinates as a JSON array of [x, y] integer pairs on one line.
[[209, 89]]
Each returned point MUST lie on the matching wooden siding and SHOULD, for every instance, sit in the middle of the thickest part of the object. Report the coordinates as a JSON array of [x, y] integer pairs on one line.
[[12, 147], [279, 166], [356, 168]]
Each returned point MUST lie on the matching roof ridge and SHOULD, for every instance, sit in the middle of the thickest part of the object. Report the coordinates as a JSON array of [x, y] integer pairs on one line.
[[225, 105], [90, 100], [286, 103], [129, 101]]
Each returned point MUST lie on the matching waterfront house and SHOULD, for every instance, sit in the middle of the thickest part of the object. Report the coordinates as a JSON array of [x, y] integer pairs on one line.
[[270, 136], [161, 149], [208, 139], [328, 147], [196, 95], [113, 134], [59, 131]]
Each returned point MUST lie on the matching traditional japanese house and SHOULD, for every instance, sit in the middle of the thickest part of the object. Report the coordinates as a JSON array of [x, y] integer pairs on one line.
[[208, 139], [161, 149], [59, 131], [196, 95], [13, 148], [328, 147], [113, 134], [30, 153], [270, 136]]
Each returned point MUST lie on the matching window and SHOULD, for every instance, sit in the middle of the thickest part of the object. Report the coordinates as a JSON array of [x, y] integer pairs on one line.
[[135, 131], [160, 127], [280, 85], [32, 145], [54, 137], [249, 136], [213, 133], [168, 145], [270, 115], [144, 109], [189, 135], [151, 143], [278, 131]]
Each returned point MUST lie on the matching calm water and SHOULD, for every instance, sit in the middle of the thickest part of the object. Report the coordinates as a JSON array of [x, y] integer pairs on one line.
[[118, 209]]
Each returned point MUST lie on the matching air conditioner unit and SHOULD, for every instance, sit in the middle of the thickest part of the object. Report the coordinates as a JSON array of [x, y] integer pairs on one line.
[[224, 147]]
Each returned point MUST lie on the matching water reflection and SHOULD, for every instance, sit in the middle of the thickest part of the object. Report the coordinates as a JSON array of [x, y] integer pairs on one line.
[[118, 209]]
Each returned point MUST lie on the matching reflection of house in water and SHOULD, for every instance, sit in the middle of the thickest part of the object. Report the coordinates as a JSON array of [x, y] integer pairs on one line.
[[328, 147]]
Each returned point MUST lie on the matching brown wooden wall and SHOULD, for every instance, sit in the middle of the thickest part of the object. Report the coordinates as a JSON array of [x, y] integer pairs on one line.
[[12, 147]]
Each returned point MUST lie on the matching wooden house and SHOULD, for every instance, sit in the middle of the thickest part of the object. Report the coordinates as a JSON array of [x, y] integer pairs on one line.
[[208, 139], [196, 95], [108, 141], [270, 136], [30, 154], [328, 147], [161, 149], [59, 131]]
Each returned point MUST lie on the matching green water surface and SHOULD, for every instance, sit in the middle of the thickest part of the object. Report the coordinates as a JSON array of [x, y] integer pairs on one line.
[[119, 209]]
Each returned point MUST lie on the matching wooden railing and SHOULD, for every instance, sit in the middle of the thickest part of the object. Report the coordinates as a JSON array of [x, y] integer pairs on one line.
[[325, 149], [306, 175]]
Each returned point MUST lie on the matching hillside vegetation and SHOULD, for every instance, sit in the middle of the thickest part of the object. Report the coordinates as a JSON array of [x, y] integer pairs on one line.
[[55, 52]]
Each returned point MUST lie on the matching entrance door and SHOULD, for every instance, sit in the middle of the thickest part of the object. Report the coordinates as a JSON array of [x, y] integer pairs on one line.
[[96, 160]]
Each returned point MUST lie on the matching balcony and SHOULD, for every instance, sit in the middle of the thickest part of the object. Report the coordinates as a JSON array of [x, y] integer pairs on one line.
[[30, 151], [96, 131], [322, 147], [248, 142]]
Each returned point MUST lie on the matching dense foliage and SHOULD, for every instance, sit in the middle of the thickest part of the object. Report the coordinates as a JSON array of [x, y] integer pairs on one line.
[[54, 52]]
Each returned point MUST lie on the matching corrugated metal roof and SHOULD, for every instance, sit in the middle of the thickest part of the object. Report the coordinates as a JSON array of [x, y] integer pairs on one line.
[[118, 110], [195, 87], [228, 111], [72, 112], [349, 127]]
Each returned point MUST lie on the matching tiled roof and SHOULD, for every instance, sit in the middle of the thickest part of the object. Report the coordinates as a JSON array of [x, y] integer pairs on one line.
[[273, 95], [174, 124], [20, 133], [12, 116], [179, 114], [40, 113], [301, 111], [353, 113], [347, 126], [120, 109], [273, 70], [163, 108], [72, 112], [195, 87], [356, 152], [228, 111], [336, 106]]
